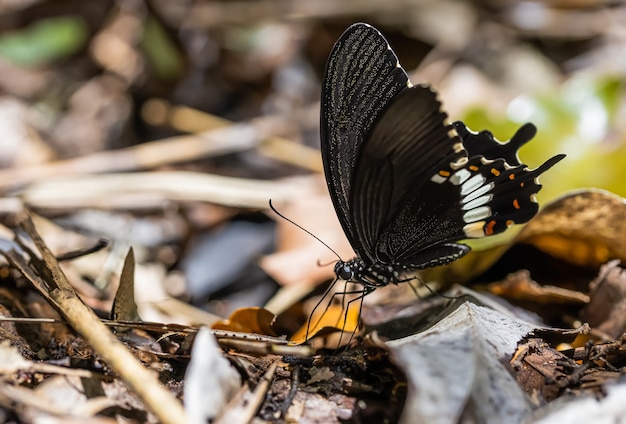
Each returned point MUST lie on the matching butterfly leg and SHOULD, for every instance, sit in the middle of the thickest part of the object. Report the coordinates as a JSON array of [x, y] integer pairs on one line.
[[423, 284], [362, 293], [319, 302]]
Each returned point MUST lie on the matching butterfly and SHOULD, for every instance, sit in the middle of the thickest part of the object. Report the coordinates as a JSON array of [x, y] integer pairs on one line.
[[407, 185]]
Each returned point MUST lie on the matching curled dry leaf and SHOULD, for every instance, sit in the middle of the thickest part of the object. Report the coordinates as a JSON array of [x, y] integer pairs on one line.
[[519, 286], [607, 310], [584, 228]]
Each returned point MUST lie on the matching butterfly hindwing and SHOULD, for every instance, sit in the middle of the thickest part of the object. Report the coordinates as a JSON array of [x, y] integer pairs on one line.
[[484, 143], [407, 144]]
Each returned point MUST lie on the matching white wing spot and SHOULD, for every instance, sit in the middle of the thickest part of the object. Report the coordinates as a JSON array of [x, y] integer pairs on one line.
[[472, 184], [477, 214], [460, 176], [438, 179], [459, 163], [475, 229], [477, 193], [483, 200]]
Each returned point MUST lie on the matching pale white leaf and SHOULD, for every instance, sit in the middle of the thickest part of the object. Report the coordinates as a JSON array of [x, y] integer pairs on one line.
[[210, 380], [457, 368]]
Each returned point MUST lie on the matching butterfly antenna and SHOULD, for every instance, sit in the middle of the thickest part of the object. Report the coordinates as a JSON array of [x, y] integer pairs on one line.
[[303, 229]]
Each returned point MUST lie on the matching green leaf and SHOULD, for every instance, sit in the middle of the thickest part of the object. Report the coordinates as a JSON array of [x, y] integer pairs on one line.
[[161, 52], [44, 42]]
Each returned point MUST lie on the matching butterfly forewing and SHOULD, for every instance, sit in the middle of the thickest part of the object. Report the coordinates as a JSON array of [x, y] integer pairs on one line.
[[362, 77]]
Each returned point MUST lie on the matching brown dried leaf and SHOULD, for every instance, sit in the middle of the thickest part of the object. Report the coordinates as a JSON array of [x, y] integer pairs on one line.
[[537, 369], [327, 322], [248, 320], [607, 310], [519, 286], [124, 306], [585, 228]]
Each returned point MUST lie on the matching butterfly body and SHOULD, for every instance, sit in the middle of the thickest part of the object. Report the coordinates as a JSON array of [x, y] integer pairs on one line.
[[370, 276]]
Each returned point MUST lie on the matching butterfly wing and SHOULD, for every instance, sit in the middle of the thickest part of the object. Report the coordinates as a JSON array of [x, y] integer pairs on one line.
[[362, 77], [418, 189], [407, 145], [484, 143], [482, 198], [404, 186]]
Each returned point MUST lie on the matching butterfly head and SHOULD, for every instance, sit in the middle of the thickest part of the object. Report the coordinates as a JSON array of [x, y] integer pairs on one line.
[[347, 270]]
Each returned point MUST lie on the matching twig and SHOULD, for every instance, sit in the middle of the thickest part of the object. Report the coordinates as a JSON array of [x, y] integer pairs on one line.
[[244, 406], [102, 191]]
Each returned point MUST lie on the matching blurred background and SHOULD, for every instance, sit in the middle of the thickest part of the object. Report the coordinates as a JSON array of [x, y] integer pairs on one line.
[[169, 125]]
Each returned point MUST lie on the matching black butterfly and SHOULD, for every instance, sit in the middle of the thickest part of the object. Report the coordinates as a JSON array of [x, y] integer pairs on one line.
[[407, 185]]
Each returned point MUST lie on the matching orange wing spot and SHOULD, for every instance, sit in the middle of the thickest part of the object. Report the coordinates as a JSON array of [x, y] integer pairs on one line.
[[444, 173], [522, 184], [495, 172], [489, 228], [473, 168], [516, 204], [512, 177], [509, 222]]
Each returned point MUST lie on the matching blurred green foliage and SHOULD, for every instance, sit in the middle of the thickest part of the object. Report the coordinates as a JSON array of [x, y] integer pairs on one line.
[[578, 120], [160, 51], [44, 42]]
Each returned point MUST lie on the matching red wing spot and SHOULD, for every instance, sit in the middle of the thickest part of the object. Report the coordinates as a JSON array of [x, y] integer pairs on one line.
[[511, 177], [516, 204], [489, 228], [495, 172], [444, 173], [473, 168]]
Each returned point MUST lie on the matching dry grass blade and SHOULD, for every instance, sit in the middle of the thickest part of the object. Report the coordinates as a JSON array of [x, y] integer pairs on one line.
[[124, 306], [126, 190], [217, 142]]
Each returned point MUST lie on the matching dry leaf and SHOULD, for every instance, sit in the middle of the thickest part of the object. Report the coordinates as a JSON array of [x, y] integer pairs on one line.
[[607, 310], [585, 228], [456, 370], [210, 380], [248, 320], [519, 286], [124, 306], [328, 321]]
